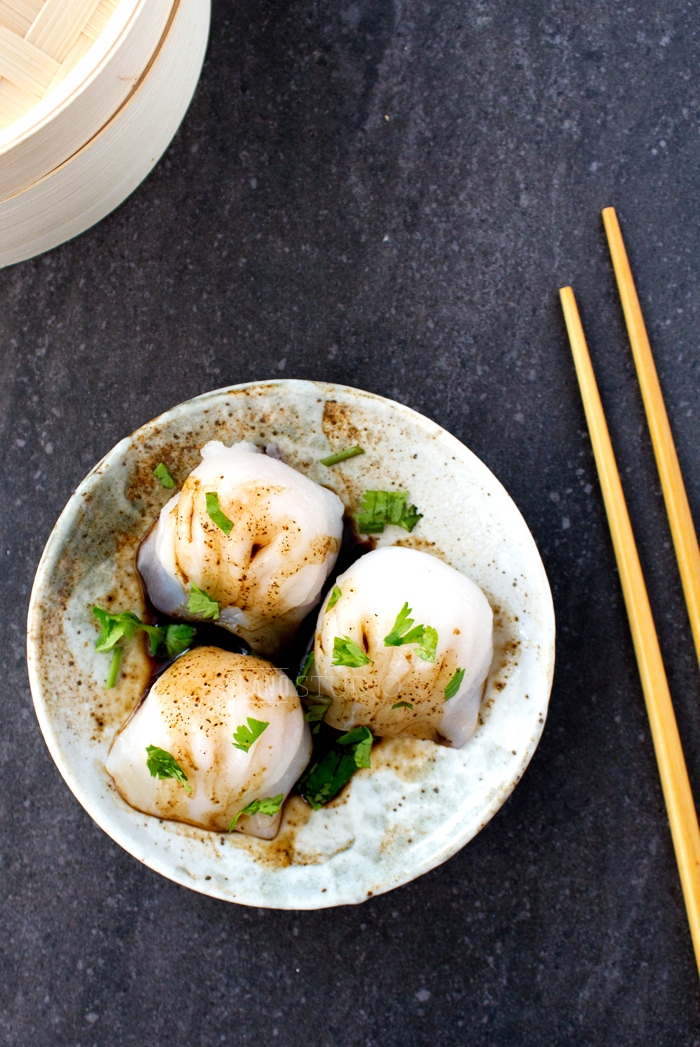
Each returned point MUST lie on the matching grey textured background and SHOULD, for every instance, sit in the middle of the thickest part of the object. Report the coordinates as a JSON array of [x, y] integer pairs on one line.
[[387, 195]]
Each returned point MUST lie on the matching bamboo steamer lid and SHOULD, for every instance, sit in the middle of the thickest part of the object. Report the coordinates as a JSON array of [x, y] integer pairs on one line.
[[99, 175], [66, 66]]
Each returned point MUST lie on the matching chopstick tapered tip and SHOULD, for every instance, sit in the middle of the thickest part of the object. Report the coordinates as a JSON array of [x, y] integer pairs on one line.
[[568, 302], [612, 227]]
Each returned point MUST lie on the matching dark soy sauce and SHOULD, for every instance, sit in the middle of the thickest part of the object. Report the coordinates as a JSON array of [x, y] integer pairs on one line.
[[352, 547], [291, 658]]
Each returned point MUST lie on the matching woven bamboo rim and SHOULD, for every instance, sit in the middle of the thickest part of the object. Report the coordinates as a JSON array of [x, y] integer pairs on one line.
[[40, 43], [102, 173], [79, 99]]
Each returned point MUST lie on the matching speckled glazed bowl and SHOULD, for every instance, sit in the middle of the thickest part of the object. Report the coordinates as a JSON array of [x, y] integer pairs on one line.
[[420, 802]]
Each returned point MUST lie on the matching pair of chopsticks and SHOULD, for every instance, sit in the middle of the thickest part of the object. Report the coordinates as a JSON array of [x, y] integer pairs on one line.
[[664, 731]]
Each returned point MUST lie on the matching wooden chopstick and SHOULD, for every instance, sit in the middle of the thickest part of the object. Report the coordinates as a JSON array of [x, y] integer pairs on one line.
[[682, 529], [664, 730]]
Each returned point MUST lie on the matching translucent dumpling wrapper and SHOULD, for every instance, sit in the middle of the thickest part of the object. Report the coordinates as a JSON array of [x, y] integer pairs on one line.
[[267, 573], [192, 712], [427, 688]]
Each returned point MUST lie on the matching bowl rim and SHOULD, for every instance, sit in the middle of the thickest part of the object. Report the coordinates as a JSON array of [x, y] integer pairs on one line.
[[100, 813]]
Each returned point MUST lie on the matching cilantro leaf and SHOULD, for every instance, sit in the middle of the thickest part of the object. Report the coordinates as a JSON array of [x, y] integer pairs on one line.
[[243, 737], [117, 653], [304, 669], [424, 635], [161, 473], [114, 626], [125, 625], [374, 512], [178, 638], [201, 603], [335, 596], [409, 518], [217, 514], [341, 456], [361, 738], [454, 685], [402, 705], [317, 705], [428, 646], [346, 652], [266, 805], [156, 636], [386, 507], [163, 764], [326, 777], [169, 640], [402, 632]]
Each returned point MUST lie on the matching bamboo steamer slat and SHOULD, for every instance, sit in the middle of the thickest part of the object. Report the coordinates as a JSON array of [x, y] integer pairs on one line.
[[14, 101], [58, 25], [18, 15], [70, 71], [93, 181]]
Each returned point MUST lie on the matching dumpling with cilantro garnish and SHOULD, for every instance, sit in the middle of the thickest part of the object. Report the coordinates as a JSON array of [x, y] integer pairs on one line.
[[218, 742], [403, 646], [248, 542]]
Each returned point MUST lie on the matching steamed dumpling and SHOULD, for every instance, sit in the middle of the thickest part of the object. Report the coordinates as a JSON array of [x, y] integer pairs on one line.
[[268, 572], [192, 712], [373, 594]]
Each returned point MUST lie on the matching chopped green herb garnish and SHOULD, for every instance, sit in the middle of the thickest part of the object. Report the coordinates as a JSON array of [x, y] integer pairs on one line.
[[162, 474], [341, 456], [386, 507], [335, 596], [402, 632], [267, 805], [217, 514], [117, 653], [156, 636], [428, 646], [163, 764], [243, 737], [325, 778], [346, 652], [361, 738], [178, 638], [402, 705], [454, 685], [169, 640], [410, 518], [201, 603], [305, 669], [175, 638], [114, 627], [317, 705]]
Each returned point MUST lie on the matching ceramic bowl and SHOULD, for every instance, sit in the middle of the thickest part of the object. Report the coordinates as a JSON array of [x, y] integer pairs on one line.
[[420, 802]]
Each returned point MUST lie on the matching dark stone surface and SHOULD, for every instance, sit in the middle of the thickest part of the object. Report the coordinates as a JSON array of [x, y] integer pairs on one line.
[[387, 195]]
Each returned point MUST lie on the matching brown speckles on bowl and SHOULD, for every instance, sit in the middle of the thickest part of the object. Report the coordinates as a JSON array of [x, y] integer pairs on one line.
[[421, 801], [410, 759]]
